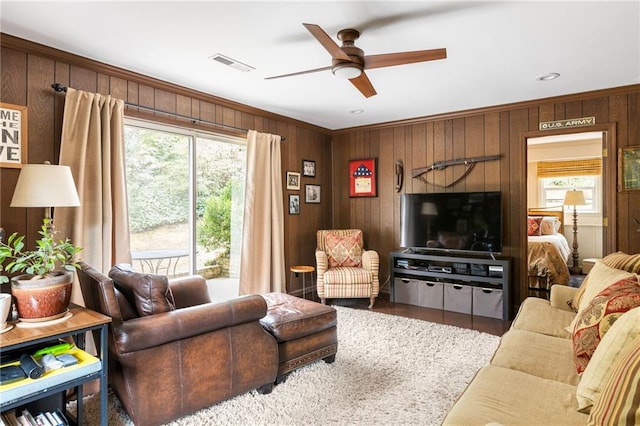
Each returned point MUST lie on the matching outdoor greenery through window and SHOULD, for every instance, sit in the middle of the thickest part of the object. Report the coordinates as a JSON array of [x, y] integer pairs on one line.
[[185, 198], [553, 189]]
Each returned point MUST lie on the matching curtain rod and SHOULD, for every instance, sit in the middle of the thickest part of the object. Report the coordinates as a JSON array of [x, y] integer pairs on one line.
[[61, 88]]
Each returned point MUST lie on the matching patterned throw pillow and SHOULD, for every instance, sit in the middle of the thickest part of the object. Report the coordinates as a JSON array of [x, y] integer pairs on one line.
[[343, 251], [596, 319], [621, 335], [533, 226], [600, 277], [619, 402], [626, 262]]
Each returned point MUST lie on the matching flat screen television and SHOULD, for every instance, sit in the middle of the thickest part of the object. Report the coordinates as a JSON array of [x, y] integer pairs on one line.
[[464, 222]]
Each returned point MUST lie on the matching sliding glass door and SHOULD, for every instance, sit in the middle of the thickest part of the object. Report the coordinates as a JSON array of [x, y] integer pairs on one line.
[[185, 199]]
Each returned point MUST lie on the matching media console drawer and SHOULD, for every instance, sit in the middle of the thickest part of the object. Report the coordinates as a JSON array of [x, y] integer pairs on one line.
[[471, 285], [457, 298]]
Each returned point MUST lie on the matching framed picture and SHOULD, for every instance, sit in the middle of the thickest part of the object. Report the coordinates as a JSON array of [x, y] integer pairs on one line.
[[13, 139], [308, 168], [312, 194], [294, 204], [293, 180], [629, 168], [363, 178]]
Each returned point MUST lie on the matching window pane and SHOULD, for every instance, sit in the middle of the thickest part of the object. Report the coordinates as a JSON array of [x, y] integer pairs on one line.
[[554, 189], [220, 171], [158, 199]]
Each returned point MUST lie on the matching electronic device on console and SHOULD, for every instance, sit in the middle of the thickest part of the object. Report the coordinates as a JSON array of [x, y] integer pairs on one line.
[[438, 268], [479, 270]]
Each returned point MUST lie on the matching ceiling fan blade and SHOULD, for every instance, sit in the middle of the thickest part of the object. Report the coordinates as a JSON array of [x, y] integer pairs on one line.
[[298, 73], [363, 84], [401, 58], [327, 42]]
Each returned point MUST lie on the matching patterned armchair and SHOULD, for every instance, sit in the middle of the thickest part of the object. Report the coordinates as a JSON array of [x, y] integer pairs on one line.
[[345, 269]]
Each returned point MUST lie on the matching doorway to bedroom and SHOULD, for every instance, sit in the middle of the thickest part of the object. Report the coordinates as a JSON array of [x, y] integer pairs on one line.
[[560, 163]]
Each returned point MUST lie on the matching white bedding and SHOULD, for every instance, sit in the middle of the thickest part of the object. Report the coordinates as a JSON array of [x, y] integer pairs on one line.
[[558, 240]]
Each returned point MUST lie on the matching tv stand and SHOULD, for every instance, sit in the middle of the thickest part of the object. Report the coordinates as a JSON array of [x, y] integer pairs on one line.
[[467, 284]]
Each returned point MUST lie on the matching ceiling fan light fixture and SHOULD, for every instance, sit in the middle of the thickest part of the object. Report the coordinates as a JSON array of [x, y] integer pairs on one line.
[[347, 70]]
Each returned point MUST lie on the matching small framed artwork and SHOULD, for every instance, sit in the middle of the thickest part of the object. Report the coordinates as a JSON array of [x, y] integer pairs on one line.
[[293, 181], [312, 194], [363, 178], [308, 168], [294, 204], [13, 135], [629, 168]]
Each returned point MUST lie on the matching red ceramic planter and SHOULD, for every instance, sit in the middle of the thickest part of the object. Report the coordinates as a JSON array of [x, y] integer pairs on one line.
[[42, 299]]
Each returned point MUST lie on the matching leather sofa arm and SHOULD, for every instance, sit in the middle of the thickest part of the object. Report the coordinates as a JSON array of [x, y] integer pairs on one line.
[[561, 295], [189, 291], [154, 330]]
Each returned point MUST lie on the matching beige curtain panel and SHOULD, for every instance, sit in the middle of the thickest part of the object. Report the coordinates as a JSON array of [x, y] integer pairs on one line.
[[262, 267], [93, 147]]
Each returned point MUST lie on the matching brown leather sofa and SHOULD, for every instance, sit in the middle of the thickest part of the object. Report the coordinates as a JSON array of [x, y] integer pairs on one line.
[[164, 365]]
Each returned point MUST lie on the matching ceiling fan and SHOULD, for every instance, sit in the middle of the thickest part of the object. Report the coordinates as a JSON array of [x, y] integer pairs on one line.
[[349, 61]]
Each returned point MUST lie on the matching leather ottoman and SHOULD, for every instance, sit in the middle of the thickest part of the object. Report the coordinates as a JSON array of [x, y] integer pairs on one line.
[[306, 331]]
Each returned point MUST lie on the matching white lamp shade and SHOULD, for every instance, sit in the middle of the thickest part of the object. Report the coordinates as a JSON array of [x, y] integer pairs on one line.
[[574, 198], [45, 185]]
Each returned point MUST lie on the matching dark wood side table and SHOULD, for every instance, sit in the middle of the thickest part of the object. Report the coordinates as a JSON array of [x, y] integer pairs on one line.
[[81, 322]]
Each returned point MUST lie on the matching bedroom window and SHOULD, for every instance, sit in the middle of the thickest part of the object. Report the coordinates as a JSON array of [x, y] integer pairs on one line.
[[185, 199], [558, 177], [552, 191]]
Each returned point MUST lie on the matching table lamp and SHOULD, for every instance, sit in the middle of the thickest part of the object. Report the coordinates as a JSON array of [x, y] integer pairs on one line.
[[575, 198], [45, 185]]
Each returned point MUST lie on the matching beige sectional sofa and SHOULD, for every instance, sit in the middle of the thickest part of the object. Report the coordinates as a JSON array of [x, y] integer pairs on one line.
[[533, 377]]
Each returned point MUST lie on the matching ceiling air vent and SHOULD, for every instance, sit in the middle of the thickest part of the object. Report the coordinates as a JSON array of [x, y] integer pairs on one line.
[[225, 60]]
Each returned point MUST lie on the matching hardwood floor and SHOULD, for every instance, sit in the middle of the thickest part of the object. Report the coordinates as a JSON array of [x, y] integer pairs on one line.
[[483, 324]]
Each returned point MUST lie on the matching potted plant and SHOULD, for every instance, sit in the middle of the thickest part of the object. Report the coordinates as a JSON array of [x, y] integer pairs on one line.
[[43, 291]]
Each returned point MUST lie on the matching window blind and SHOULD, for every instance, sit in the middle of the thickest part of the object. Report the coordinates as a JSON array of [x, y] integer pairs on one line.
[[586, 167]]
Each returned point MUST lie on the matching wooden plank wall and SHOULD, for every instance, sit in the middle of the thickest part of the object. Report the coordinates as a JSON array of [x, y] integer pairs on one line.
[[496, 130], [28, 70]]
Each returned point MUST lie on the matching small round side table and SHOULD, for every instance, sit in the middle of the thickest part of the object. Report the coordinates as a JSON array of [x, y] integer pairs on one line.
[[303, 269]]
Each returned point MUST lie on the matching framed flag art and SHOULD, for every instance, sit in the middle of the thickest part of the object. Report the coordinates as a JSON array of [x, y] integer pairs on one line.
[[363, 178]]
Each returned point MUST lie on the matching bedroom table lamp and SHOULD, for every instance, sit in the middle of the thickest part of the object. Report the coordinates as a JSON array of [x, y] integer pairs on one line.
[[575, 198], [45, 185]]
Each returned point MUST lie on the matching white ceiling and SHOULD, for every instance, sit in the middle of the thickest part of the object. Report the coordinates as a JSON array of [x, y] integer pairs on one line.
[[496, 50]]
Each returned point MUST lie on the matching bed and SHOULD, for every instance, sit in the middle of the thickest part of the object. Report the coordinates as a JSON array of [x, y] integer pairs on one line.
[[548, 250]]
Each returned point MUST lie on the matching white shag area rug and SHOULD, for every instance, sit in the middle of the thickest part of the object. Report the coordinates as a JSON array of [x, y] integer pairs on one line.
[[388, 370]]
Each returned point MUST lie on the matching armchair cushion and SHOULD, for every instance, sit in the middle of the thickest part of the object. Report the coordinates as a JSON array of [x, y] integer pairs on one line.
[[150, 293], [348, 275], [344, 250]]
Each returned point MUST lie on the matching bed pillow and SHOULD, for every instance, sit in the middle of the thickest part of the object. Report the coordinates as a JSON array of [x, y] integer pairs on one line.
[[619, 337], [150, 293], [550, 225], [533, 226], [597, 318]]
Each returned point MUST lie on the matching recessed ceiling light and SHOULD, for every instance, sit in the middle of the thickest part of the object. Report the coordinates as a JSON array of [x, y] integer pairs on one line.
[[549, 77], [356, 111]]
